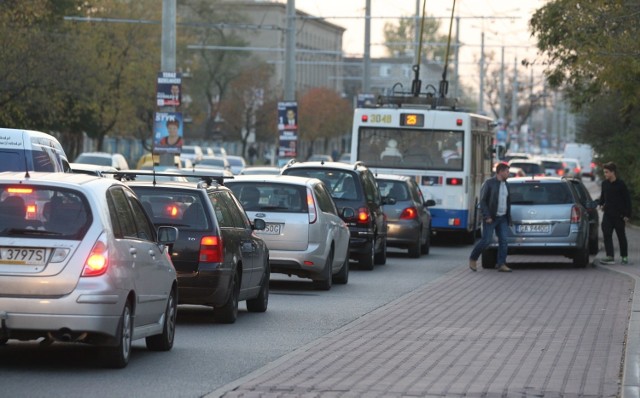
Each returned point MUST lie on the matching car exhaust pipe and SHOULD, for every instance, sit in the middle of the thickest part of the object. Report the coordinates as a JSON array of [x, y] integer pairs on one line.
[[66, 336]]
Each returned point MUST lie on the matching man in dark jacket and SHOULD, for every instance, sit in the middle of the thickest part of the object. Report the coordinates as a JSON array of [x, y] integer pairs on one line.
[[495, 207], [615, 202]]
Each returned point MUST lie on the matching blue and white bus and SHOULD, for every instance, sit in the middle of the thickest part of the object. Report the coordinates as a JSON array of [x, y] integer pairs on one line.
[[448, 152]]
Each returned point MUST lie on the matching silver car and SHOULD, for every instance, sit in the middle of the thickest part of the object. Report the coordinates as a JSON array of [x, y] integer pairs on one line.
[[408, 217], [80, 261], [305, 235], [548, 218]]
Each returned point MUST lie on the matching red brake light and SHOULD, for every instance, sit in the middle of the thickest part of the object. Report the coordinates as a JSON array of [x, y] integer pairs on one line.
[[575, 215], [454, 181], [172, 210], [409, 213], [21, 190], [365, 118], [458, 122], [211, 249], [363, 215], [98, 260]]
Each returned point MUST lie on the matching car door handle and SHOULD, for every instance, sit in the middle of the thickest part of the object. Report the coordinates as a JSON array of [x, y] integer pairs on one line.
[[133, 251], [152, 254]]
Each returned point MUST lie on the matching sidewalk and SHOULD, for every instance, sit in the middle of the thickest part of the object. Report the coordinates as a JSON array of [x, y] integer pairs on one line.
[[556, 332]]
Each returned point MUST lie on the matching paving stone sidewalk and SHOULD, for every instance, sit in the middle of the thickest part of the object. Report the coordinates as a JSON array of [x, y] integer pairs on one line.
[[556, 332]]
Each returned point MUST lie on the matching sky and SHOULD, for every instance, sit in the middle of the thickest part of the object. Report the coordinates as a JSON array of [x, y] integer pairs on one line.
[[504, 22]]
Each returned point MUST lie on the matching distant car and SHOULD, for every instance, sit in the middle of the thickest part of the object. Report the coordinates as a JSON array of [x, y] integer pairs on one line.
[[22, 150], [236, 163], [548, 219], [260, 170], [320, 158], [81, 262], [218, 256], [345, 157], [215, 151], [192, 152], [408, 217], [92, 169], [516, 172], [115, 160], [353, 185], [515, 155], [531, 167], [214, 162], [553, 167], [304, 233], [572, 167], [147, 161]]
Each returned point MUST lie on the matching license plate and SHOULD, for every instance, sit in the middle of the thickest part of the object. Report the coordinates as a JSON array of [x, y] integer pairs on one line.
[[272, 229], [23, 255], [533, 228]]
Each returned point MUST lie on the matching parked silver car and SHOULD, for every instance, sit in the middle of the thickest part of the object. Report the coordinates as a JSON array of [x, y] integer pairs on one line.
[[80, 261], [305, 235], [548, 219], [408, 217]]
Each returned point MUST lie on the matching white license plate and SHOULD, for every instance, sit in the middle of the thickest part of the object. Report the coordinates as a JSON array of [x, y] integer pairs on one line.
[[533, 228], [23, 255], [272, 229]]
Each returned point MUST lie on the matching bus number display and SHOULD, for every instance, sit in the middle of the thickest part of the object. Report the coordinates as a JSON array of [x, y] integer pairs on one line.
[[374, 118], [412, 119]]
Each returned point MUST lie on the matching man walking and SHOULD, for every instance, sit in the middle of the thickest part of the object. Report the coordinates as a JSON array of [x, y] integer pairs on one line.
[[495, 207], [615, 202]]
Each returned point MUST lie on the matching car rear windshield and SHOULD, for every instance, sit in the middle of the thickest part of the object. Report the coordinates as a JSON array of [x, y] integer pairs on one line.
[[174, 207], [340, 183], [18, 160], [394, 189], [279, 198], [534, 193], [43, 212], [530, 169]]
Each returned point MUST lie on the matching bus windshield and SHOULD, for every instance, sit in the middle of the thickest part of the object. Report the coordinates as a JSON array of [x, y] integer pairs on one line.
[[411, 148]]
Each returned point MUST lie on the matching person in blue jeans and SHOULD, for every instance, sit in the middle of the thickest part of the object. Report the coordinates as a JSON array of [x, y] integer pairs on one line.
[[495, 208]]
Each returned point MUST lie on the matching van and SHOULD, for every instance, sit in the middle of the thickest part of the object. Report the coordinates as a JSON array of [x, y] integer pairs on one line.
[[31, 151], [584, 153]]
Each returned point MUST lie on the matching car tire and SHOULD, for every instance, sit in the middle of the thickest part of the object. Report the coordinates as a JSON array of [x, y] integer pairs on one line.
[[489, 259], [581, 257], [380, 258], [261, 301], [415, 247], [327, 275], [117, 357], [164, 341], [426, 247], [367, 258], [342, 277], [228, 312]]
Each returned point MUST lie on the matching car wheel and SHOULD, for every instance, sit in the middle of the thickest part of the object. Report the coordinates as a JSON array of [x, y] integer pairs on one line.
[[366, 259], [164, 341], [380, 258], [117, 356], [581, 257], [424, 249], [228, 313], [414, 248], [342, 277], [489, 259], [261, 301], [327, 279]]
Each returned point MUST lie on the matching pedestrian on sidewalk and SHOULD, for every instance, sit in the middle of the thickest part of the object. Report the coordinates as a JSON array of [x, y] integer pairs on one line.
[[615, 202], [495, 207]]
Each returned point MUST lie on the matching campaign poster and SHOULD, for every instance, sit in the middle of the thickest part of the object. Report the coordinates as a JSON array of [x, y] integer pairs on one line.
[[169, 89], [288, 144], [287, 116], [168, 134]]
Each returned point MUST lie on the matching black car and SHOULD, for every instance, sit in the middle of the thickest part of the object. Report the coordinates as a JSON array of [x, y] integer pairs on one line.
[[592, 209], [353, 185], [218, 257]]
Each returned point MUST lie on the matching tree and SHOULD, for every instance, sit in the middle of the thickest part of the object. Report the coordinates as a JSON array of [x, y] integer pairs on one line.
[[400, 39], [323, 114], [243, 108]]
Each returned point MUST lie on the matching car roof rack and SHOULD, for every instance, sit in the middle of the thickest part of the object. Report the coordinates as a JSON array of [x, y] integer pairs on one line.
[[206, 177]]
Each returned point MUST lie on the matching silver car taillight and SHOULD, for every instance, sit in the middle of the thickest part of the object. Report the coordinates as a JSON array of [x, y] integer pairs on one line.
[[311, 204], [575, 214]]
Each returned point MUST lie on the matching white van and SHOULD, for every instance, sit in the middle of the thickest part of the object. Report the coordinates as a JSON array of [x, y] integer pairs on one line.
[[584, 153], [30, 150]]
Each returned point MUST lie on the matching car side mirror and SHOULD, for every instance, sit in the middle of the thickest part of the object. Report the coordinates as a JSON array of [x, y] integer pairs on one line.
[[259, 224], [348, 212], [167, 235], [429, 202]]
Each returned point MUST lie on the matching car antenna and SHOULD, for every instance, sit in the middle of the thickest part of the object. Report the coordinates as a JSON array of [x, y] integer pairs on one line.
[[26, 165]]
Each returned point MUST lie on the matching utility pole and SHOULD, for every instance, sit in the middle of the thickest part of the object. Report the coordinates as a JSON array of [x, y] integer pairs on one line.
[[502, 93], [168, 59], [514, 99], [290, 53], [366, 78], [481, 99]]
